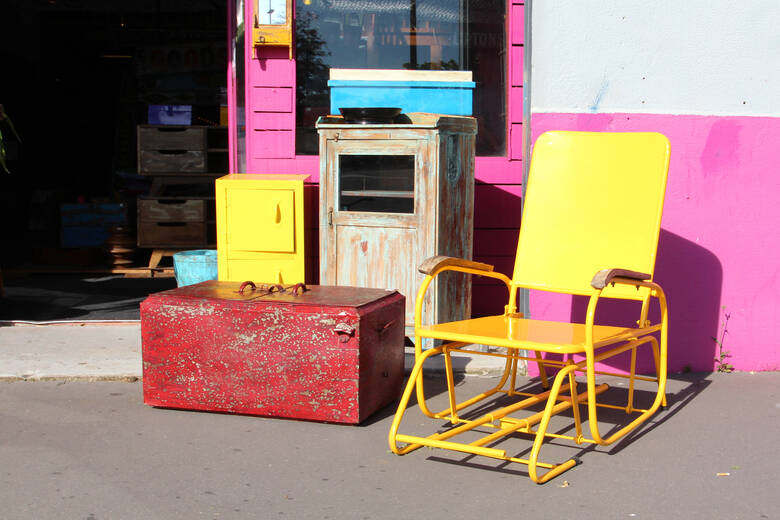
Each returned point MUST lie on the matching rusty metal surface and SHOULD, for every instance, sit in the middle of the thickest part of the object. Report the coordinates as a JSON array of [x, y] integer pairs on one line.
[[329, 354], [314, 294]]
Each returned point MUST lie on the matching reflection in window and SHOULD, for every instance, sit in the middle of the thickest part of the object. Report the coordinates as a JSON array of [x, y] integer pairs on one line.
[[402, 34], [271, 12], [376, 183]]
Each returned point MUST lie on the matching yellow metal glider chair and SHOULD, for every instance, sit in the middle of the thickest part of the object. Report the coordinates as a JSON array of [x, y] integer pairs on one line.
[[590, 226]]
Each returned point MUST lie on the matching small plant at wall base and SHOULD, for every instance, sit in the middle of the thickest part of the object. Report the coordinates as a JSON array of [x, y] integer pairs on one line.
[[723, 355], [4, 119]]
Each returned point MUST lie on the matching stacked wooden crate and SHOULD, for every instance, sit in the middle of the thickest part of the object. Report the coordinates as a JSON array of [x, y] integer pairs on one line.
[[168, 222], [177, 155]]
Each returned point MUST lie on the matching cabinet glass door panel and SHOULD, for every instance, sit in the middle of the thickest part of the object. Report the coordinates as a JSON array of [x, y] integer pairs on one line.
[[376, 183]]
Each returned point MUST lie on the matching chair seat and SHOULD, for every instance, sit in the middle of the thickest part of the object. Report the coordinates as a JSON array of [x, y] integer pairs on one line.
[[546, 336]]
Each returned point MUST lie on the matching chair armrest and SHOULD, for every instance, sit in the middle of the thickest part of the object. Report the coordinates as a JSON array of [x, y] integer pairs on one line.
[[605, 276], [435, 262]]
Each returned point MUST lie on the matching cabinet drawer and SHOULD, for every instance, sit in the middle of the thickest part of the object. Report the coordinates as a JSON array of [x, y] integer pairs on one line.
[[172, 161], [171, 138], [171, 210], [262, 269], [171, 234], [261, 220]]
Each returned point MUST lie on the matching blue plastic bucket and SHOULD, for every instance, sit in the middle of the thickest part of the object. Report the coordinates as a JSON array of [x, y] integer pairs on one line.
[[195, 266]]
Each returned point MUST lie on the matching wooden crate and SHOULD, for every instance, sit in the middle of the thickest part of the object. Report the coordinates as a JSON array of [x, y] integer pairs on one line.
[[331, 354], [172, 138], [171, 209], [172, 161], [178, 150], [175, 222]]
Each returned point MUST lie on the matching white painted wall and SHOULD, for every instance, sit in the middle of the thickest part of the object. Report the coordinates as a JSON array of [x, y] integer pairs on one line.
[[714, 57]]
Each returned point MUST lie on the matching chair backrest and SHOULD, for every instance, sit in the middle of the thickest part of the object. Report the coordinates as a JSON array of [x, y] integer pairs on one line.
[[593, 201]]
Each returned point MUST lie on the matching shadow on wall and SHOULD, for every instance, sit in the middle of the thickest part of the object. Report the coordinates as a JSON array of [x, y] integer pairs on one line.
[[496, 227], [691, 276]]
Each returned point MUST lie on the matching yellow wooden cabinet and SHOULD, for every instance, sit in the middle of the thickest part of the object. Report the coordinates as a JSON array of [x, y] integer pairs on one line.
[[260, 229]]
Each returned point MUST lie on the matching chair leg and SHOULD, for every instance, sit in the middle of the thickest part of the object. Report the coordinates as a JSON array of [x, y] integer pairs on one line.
[[575, 404], [660, 397], [654, 347], [631, 380], [542, 370], [542, 429], [450, 385], [414, 382], [451, 412]]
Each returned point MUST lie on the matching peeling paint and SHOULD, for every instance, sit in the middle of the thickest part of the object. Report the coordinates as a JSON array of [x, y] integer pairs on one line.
[[270, 357]]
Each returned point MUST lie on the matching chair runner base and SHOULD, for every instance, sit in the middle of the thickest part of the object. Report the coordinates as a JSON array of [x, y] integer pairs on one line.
[[554, 402]]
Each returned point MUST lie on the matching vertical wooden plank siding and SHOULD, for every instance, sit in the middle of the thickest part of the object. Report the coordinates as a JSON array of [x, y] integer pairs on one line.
[[270, 102], [516, 54], [271, 117], [517, 17], [272, 99]]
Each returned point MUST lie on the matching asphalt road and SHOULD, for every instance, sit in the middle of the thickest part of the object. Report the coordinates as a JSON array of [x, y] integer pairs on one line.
[[92, 450]]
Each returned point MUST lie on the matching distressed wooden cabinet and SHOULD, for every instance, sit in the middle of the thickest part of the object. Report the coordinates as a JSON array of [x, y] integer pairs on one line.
[[260, 228], [392, 195]]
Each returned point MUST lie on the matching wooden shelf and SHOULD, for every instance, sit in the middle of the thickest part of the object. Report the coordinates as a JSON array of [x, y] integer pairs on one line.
[[389, 194]]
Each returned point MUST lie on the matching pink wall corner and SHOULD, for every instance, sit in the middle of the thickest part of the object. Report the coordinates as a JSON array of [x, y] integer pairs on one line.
[[719, 247]]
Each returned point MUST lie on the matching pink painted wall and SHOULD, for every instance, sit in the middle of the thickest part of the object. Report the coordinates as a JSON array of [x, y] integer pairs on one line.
[[719, 251], [270, 102]]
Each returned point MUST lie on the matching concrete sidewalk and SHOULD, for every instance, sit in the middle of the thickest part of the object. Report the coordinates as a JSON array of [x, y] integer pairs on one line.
[[76, 449], [112, 351], [93, 450], [91, 351]]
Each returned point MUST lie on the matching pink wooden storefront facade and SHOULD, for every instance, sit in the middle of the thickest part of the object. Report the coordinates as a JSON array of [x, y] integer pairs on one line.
[[718, 249], [270, 80]]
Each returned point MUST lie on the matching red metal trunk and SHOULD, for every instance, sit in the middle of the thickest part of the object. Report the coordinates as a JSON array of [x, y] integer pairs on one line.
[[328, 354]]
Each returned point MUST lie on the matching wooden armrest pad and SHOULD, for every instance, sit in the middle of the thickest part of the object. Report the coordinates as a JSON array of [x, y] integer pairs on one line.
[[435, 262], [605, 276]]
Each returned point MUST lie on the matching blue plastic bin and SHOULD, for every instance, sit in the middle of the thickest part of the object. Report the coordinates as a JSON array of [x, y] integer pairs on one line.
[[438, 97], [195, 266]]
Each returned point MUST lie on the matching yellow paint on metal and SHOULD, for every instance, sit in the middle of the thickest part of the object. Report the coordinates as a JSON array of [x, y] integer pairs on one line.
[[593, 202], [260, 228]]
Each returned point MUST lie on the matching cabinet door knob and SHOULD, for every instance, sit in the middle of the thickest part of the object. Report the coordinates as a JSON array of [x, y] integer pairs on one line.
[[330, 217]]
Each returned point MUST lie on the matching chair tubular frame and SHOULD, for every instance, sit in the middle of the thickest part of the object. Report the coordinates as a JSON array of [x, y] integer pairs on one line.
[[563, 382]]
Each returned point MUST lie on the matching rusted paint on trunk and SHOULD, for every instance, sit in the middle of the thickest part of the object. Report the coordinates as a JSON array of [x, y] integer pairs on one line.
[[207, 347]]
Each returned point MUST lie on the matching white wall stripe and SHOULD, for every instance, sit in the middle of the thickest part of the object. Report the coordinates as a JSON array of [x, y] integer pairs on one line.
[[708, 57]]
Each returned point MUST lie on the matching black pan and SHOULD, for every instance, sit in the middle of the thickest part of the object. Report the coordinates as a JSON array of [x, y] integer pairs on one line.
[[370, 115]]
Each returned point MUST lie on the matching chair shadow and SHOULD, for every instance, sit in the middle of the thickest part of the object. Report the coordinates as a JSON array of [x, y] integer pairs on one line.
[[433, 383], [691, 276], [696, 383]]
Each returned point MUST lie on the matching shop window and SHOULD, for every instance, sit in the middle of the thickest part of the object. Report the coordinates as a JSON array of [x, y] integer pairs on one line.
[[363, 34], [237, 69]]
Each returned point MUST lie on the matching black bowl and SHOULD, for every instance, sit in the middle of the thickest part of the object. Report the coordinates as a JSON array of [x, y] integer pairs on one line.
[[370, 115]]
